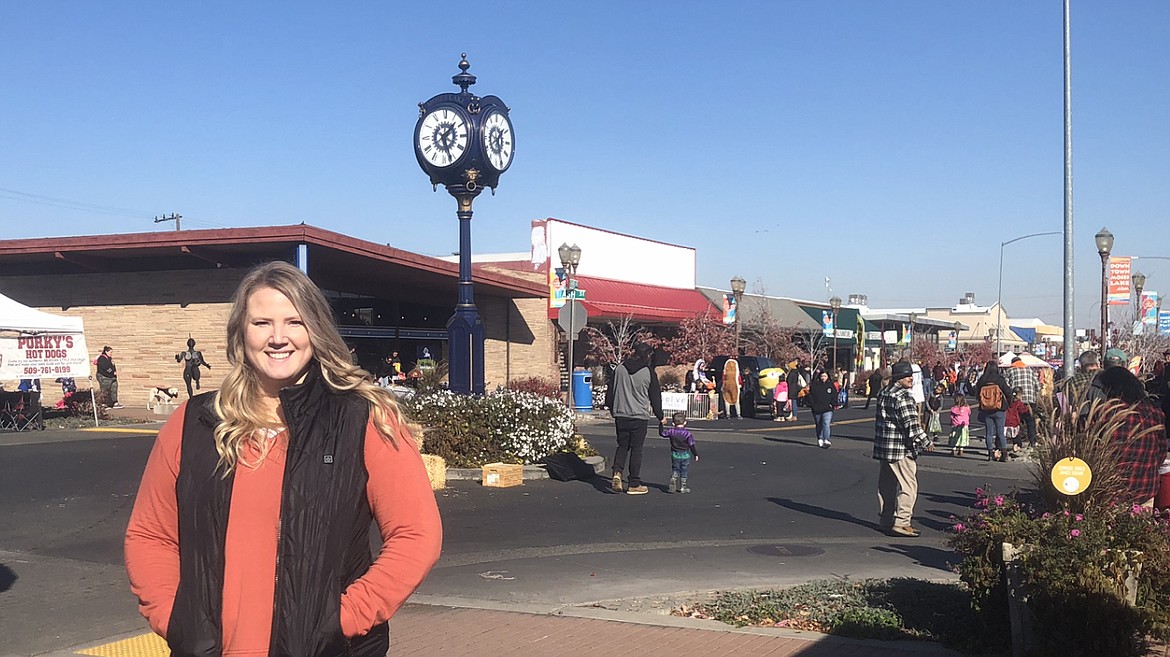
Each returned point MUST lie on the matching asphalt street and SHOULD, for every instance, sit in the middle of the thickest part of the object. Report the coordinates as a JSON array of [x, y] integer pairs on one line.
[[768, 508]]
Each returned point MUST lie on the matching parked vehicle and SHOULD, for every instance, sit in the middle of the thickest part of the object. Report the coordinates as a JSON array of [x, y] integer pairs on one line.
[[767, 375]]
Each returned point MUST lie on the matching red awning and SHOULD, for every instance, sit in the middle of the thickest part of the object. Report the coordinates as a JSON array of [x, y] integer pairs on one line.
[[606, 299]]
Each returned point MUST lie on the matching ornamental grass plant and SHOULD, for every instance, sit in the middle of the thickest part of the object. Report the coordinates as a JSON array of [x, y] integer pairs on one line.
[[1079, 556]]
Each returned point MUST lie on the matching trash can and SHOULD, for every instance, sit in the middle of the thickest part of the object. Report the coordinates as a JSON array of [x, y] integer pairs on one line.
[[582, 390]]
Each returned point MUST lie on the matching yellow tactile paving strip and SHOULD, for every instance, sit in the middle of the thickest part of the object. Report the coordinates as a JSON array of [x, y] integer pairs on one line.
[[143, 645]]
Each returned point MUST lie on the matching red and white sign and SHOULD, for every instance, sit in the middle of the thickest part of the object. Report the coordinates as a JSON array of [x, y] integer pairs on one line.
[[44, 357], [1119, 280]]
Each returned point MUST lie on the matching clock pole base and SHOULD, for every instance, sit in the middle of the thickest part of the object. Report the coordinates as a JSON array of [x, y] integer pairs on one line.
[[465, 336]]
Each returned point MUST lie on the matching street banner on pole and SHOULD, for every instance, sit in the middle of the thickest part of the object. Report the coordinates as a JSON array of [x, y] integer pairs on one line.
[[1149, 309], [1119, 280], [729, 309]]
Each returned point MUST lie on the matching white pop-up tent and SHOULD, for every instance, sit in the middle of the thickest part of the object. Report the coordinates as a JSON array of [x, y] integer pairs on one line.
[[40, 345], [1029, 360]]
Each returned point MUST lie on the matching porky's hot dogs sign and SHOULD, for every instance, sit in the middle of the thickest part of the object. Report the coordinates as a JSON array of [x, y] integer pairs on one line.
[[44, 356]]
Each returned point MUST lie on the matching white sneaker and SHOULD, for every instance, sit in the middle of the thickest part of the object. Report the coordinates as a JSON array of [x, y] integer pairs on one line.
[[820, 442], [828, 444]]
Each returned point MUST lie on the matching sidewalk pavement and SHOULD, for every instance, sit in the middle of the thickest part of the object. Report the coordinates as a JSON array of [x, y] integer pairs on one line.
[[420, 630]]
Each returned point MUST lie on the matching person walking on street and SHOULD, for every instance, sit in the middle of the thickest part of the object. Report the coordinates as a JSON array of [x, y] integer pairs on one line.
[[875, 386], [634, 398], [250, 530], [822, 396], [994, 398], [898, 439], [107, 376], [1021, 376], [682, 452], [960, 423]]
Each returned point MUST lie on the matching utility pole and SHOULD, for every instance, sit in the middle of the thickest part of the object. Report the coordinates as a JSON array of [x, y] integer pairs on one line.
[[173, 217]]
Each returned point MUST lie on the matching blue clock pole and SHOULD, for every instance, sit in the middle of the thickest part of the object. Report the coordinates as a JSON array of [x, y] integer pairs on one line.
[[464, 142], [465, 328]]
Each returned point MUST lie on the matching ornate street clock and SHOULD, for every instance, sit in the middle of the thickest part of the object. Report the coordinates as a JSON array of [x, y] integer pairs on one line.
[[464, 142]]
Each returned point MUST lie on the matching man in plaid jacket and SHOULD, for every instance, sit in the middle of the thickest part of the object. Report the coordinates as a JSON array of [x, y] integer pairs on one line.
[[898, 438], [1021, 376]]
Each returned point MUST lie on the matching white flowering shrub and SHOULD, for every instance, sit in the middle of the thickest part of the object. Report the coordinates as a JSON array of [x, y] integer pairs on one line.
[[506, 425]]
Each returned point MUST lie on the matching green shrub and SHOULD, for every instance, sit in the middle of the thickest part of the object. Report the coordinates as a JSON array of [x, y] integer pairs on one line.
[[505, 426]]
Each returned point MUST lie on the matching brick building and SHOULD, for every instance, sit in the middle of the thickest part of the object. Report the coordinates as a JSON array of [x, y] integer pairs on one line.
[[145, 293]]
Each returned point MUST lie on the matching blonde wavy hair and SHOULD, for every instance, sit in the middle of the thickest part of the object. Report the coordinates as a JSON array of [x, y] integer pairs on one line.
[[242, 421]]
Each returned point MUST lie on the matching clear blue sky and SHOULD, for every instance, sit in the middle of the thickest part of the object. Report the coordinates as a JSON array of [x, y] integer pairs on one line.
[[891, 146]]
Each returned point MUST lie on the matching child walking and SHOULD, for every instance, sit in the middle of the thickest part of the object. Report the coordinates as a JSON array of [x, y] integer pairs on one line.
[[1015, 412], [781, 406], [682, 450], [960, 422], [934, 410]]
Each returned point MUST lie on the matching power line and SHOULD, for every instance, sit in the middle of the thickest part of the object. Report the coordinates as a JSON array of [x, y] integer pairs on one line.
[[82, 206]]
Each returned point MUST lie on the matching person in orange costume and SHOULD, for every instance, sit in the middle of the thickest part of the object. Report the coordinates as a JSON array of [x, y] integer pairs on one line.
[[249, 534]]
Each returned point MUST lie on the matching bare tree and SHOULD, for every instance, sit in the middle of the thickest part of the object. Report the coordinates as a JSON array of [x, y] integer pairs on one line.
[[702, 336], [617, 340]]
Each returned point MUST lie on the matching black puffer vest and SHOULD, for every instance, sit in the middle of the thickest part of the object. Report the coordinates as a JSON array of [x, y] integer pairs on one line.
[[324, 528]]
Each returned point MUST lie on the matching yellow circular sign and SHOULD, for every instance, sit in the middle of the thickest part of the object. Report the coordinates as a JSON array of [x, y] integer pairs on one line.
[[1071, 476]]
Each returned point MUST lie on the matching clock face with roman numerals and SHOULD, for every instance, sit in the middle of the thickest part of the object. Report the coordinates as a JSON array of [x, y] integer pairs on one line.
[[498, 142], [442, 137]]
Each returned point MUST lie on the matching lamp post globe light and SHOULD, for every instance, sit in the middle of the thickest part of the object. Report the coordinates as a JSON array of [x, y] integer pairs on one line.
[[1104, 240], [835, 304], [464, 142], [570, 257]]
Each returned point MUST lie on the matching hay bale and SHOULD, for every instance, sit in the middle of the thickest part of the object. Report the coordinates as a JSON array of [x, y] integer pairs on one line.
[[436, 470]]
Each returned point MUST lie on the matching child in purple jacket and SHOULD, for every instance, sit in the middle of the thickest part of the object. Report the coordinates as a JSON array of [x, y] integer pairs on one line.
[[682, 450]]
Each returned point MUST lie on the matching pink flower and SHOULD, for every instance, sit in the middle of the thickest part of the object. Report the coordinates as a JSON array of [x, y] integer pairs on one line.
[[1046, 515], [1074, 533], [1137, 509], [1066, 513], [1078, 517], [999, 500], [959, 527], [979, 492]]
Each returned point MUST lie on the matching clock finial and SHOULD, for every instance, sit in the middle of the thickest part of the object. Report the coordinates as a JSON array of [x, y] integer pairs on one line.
[[464, 79]]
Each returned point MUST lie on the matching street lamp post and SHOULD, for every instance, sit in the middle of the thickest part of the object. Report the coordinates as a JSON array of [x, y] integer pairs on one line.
[[738, 285], [570, 258], [835, 304], [1104, 240], [1139, 283], [999, 299]]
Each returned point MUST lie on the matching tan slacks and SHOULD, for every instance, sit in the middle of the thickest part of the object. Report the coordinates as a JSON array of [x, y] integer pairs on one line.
[[897, 492]]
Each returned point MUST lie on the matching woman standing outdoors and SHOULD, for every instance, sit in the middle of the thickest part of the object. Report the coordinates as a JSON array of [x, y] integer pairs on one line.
[[994, 397], [823, 398], [249, 535]]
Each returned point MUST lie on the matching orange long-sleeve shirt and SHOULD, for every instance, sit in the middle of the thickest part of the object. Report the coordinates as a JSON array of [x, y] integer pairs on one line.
[[400, 497]]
